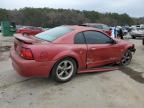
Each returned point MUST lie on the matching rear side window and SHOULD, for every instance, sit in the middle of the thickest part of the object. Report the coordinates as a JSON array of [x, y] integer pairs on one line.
[[79, 39], [93, 37], [54, 33]]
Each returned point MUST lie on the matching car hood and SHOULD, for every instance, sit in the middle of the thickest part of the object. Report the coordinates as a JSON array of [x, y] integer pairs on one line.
[[120, 41]]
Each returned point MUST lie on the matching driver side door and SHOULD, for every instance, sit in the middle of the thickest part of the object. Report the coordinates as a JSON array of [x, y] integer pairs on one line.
[[100, 49]]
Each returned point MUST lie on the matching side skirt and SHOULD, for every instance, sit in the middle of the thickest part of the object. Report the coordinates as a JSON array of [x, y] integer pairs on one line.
[[100, 69]]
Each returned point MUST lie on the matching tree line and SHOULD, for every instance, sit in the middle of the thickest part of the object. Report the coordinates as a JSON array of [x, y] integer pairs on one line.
[[48, 17]]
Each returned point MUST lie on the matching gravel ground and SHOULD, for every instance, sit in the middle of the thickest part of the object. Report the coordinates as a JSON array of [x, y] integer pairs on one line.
[[6, 41], [115, 89]]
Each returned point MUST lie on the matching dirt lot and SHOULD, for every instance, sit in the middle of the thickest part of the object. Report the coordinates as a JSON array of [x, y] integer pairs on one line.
[[123, 88]]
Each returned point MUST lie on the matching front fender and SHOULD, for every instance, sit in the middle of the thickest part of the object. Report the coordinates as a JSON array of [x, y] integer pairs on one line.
[[130, 47]]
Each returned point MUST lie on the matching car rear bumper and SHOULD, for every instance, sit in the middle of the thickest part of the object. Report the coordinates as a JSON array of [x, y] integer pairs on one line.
[[30, 68]]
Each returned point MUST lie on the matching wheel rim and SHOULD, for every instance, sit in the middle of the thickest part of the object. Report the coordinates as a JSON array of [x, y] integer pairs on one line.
[[126, 58], [65, 70]]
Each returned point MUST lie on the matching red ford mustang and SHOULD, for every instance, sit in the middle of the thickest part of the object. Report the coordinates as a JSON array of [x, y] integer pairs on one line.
[[63, 51]]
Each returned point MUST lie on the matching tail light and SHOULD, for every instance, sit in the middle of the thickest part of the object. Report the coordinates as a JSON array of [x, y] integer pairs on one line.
[[26, 53]]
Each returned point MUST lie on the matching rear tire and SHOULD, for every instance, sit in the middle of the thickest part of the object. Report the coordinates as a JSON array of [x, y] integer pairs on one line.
[[64, 70]]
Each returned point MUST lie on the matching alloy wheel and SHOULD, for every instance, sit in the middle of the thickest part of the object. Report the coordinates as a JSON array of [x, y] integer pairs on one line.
[[126, 58], [65, 70]]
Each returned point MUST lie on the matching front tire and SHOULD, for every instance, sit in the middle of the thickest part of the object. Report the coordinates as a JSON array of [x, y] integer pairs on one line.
[[64, 70], [126, 58]]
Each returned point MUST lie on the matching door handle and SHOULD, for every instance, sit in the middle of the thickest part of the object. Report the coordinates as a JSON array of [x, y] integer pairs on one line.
[[93, 48]]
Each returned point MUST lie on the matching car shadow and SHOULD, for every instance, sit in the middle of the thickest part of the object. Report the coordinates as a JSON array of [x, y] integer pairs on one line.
[[39, 82]]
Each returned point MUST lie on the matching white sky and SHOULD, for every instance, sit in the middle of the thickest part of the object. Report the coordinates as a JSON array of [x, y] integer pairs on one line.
[[134, 8]]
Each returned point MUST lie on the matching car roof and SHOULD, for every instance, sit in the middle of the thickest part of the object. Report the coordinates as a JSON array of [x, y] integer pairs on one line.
[[75, 29], [79, 28], [93, 24]]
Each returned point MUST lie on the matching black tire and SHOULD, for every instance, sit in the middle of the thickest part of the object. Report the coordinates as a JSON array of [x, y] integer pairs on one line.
[[143, 41], [57, 71], [126, 58], [133, 37]]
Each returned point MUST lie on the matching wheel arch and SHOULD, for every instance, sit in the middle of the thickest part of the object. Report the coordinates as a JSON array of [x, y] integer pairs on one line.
[[61, 58], [127, 47], [131, 48]]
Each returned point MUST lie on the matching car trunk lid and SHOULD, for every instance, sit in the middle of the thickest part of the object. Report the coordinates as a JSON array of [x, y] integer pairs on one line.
[[24, 42], [28, 39]]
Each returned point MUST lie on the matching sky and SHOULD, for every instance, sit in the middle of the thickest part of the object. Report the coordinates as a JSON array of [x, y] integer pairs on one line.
[[135, 8]]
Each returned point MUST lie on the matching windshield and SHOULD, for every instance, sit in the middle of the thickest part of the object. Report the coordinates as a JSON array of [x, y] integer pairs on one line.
[[54, 33], [105, 27], [98, 26]]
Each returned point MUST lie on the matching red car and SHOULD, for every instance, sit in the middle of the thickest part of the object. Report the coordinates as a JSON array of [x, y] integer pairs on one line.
[[29, 30], [63, 51], [105, 28]]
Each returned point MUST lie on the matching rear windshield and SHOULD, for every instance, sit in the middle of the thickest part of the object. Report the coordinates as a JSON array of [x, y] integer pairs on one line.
[[54, 33]]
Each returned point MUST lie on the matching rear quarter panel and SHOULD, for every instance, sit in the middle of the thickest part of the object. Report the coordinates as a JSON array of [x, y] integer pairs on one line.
[[56, 52]]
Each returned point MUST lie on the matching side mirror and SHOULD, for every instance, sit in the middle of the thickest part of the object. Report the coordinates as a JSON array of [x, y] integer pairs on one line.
[[113, 42]]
